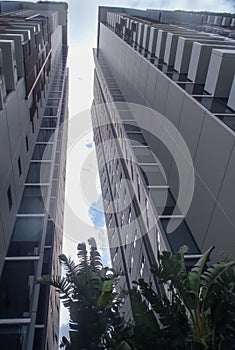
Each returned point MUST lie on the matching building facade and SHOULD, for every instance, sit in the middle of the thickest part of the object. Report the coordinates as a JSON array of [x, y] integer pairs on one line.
[[33, 107], [176, 67]]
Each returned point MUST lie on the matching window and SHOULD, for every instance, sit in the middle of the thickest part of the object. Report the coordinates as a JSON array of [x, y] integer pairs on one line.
[[51, 111], [26, 236], [32, 201], [38, 172], [15, 293], [42, 151], [136, 139], [180, 236], [27, 143], [13, 335], [9, 197], [19, 167], [46, 135], [53, 102], [49, 122], [144, 155], [138, 186], [152, 175], [32, 123]]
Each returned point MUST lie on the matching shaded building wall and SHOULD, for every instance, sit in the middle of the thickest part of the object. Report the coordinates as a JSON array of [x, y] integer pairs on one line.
[[132, 186], [33, 116]]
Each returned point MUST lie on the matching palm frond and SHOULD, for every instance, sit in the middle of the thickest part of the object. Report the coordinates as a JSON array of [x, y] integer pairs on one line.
[[70, 267], [83, 257], [95, 258], [217, 276], [62, 285]]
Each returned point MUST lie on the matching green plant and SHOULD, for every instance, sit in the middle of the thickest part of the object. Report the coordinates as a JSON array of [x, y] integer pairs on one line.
[[198, 309], [87, 291]]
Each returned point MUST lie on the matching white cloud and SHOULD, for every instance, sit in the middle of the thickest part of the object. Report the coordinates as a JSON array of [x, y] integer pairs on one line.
[[208, 5]]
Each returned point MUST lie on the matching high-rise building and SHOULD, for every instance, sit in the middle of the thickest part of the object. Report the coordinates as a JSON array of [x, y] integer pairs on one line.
[[33, 107], [164, 121]]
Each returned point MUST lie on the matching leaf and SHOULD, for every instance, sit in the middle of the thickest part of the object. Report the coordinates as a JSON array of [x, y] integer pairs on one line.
[[106, 292], [196, 272], [82, 256], [216, 276], [124, 346], [70, 267], [144, 318], [172, 272]]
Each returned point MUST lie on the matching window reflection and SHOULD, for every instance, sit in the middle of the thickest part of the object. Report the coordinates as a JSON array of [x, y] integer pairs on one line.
[[26, 236], [14, 304], [32, 201]]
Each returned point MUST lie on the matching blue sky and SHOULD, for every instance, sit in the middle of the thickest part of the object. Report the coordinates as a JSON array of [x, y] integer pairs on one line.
[[89, 144], [96, 213]]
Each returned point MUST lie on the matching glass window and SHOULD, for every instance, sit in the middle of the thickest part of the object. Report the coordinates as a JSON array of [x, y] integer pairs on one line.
[[144, 155], [53, 102], [27, 143], [193, 89], [16, 287], [46, 135], [180, 236], [32, 123], [38, 172], [131, 127], [13, 336], [9, 197], [49, 122], [43, 303], [39, 337], [50, 233], [26, 236], [215, 104], [51, 111], [159, 196], [118, 98], [152, 175], [54, 94], [19, 167], [163, 200], [42, 151], [56, 87], [32, 201], [136, 139], [228, 120]]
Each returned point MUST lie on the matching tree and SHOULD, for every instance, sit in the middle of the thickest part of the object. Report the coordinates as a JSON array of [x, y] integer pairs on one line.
[[87, 291], [195, 309], [198, 309]]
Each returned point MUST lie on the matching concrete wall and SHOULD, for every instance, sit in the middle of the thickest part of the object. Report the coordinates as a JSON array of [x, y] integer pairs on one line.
[[142, 83]]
